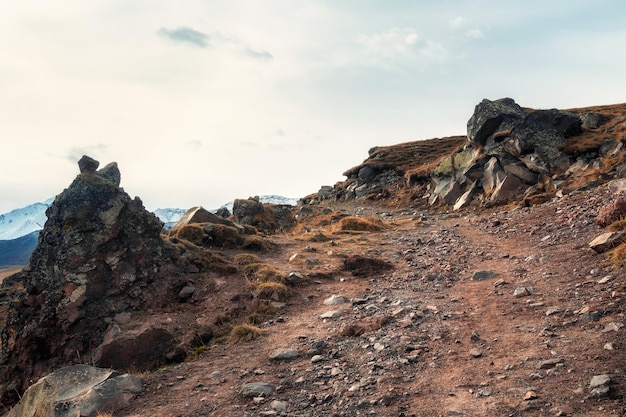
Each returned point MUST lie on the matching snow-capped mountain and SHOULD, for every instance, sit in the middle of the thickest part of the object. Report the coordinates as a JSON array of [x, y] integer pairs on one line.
[[267, 199], [23, 221], [170, 215]]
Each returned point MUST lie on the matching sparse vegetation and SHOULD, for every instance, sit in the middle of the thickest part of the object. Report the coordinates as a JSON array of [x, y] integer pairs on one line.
[[246, 259], [244, 333], [360, 224], [256, 243], [618, 255], [271, 290]]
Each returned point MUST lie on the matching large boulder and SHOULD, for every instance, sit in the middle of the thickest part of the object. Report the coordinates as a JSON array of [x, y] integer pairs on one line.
[[100, 253], [78, 390], [491, 117], [543, 131], [267, 218]]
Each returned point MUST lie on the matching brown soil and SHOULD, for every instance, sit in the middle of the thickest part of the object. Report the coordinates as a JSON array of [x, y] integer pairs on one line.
[[422, 338], [5, 272]]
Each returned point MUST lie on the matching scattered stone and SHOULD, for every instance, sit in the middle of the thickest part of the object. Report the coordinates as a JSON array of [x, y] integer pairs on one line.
[[607, 241], [279, 406], [333, 314], [475, 353], [530, 395], [317, 358], [599, 380], [550, 363], [483, 275], [294, 278], [609, 346], [553, 311], [612, 327], [521, 292], [186, 293], [256, 389], [336, 299], [284, 354]]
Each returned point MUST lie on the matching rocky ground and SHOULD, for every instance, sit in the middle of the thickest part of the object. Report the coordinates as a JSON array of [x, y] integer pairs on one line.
[[505, 312]]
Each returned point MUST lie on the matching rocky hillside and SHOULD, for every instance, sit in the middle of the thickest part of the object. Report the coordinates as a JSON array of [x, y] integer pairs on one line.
[[452, 276]]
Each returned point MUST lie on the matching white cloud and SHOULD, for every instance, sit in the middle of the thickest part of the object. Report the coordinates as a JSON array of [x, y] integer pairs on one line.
[[396, 48], [474, 34]]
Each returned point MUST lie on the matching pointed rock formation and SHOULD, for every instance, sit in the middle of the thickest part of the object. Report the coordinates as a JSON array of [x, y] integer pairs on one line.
[[100, 253]]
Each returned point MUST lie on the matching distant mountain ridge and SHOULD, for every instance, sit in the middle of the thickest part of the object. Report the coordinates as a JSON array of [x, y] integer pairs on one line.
[[23, 221], [20, 228]]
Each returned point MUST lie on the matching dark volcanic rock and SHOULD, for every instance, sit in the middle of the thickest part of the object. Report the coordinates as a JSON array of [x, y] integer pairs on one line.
[[96, 256], [490, 117], [87, 164]]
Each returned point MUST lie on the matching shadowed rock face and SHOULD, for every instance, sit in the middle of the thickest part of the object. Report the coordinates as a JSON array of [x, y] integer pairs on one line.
[[100, 253]]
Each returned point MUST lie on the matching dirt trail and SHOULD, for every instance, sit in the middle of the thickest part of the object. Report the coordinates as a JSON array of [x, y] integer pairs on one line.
[[450, 346]]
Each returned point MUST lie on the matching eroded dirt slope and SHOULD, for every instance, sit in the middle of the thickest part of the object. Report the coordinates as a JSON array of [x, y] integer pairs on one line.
[[500, 313]]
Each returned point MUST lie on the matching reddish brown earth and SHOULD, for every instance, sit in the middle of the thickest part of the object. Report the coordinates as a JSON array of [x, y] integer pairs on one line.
[[448, 345]]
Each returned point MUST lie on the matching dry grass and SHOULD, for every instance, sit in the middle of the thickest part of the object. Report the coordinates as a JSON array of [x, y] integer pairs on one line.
[[246, 259], [617, 226], [591, 139], [417, 156], [267, 273], [244, 333], [618, 255], [256, 243], [192, 233], [276, 291], [360, 224]]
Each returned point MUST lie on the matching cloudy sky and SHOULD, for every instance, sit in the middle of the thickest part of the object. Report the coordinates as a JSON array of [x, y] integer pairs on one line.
[[203, 101]]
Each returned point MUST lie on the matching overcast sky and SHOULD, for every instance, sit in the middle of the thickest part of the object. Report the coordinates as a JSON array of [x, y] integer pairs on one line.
[[203, 101]]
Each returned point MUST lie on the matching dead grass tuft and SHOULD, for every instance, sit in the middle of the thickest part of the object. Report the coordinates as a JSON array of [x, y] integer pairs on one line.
[[267, 273], [244, 333], [246, 259], [276, 291], [256, 243], [618, 255], [617, 226], [361, 224]]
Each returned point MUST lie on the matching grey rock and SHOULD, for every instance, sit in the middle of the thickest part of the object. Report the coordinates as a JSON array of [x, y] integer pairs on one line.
[[599, 380], [78, 390], [279, 406], [490, 117], [593, 120], [336, 299], [284, 354], [86, 164], [333, 314], [483, 275], [521, 292], [186, 293], [256, 389], [607, 241], [111, 172]]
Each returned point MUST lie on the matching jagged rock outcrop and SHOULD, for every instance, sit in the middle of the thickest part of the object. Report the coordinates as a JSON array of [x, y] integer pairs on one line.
[[78, 390], [268, 218], [510, 153], [99, 254]]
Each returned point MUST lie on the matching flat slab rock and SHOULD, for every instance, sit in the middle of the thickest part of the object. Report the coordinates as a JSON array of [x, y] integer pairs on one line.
[[483, 275], [607, 241], [78, 390], [256, 389]]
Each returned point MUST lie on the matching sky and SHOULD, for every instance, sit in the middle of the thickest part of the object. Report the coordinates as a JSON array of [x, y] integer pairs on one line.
[[203, 101]]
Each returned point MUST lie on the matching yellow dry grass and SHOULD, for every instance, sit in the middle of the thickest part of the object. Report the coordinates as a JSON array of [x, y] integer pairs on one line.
[[360, 224]]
